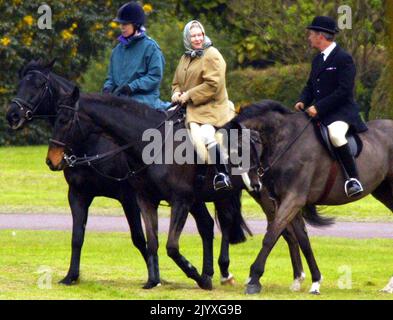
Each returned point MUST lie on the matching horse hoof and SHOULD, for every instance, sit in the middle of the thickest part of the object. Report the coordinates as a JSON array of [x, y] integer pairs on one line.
[[151, 284], [253, 288], [230, 280], [206, 283], [69, 280], [389, 287], [297, 283], [315, 287]]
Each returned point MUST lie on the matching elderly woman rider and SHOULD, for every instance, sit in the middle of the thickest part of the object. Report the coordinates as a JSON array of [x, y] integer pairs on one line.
[[199, 83]]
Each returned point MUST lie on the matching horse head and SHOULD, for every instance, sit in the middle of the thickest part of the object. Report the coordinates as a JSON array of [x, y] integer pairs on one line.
[[37, 93], [64, 131]]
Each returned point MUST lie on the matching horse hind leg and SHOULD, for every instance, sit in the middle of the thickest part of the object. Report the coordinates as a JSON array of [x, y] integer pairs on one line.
[[384, 193], [293, 245], [178, 219], [304, 241], [150, 216], [205, 226], [228, 213]]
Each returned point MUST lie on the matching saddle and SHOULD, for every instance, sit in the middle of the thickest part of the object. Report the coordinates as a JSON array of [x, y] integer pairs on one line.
[[248, 175], [354, 141]]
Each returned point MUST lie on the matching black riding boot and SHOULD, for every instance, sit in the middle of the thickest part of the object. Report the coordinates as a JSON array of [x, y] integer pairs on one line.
[[221, 180], [353, 186]]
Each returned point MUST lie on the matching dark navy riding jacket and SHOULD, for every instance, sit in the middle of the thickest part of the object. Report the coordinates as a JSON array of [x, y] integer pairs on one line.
[[330, 88]]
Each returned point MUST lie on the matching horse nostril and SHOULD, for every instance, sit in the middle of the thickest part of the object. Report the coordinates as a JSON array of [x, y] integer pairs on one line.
[[15, 117]]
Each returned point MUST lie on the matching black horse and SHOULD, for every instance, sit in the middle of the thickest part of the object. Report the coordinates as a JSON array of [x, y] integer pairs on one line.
[[298, 174], [38, 93], [126, 121]]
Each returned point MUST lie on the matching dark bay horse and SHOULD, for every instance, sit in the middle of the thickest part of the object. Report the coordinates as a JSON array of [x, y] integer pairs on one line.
[[299, 176], [38, 93], [126, 121]]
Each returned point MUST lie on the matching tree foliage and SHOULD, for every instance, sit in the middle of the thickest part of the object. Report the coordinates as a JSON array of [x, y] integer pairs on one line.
[[250, 34]]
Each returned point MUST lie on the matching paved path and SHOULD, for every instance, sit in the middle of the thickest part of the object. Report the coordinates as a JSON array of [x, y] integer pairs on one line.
[[356, 230]]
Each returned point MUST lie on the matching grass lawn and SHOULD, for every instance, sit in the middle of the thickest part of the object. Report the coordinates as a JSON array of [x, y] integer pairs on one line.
[[28, 186], [113, 269]]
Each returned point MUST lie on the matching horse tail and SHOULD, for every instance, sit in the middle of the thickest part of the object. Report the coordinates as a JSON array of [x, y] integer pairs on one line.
[[312, 217], [230, 219]]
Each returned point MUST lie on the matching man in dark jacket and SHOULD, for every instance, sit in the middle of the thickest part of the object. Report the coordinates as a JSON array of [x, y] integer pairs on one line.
[[329, 96]]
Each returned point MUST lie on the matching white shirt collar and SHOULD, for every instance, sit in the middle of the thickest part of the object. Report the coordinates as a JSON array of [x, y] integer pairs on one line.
[[328, 50]]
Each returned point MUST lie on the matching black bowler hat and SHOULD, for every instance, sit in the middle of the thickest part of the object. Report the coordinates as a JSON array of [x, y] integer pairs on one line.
[[323, 23]]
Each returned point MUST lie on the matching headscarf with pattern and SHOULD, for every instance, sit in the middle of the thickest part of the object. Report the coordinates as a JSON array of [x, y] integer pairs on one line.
[[190, 51]]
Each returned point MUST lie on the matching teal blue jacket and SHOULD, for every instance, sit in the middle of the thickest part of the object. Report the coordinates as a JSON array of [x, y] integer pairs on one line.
[[139, 63]]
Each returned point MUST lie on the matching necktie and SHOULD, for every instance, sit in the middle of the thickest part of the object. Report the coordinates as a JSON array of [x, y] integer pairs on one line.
[[320, 60]]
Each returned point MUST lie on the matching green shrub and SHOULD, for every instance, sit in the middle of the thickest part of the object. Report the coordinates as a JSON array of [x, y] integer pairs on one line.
[[382, 97], [283, 83]]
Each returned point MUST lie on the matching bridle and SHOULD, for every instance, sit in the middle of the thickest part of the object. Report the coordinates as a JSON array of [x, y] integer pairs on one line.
[[29, 108], [69, 159], [73, 160], [268, 166]]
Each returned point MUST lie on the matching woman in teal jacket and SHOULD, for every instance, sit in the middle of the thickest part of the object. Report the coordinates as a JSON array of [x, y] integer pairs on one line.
[[137, 63]]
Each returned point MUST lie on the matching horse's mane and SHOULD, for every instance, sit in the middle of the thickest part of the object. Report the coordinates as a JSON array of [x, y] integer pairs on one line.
[[137, 108], [261, 108]]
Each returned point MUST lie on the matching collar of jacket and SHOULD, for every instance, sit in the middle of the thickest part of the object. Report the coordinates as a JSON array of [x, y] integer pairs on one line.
[[127, 42], [328, 60]]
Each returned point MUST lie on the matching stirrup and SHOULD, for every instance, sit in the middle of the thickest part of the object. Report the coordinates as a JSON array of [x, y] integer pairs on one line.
[[356, 182], [225, 182]]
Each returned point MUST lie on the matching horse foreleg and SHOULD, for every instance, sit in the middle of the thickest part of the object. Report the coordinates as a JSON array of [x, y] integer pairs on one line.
[[79, 203], [205, 226], [150, 217], [287, 210], [179, 214], [269, 208]]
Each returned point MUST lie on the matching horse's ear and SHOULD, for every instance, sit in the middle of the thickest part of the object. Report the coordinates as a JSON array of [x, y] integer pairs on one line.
[[75, 94], [20, 71], [50, 64]]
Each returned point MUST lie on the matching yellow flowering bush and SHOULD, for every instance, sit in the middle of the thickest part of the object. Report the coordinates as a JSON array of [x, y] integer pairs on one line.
[[113, 24], [28, 20], [148, 8], [66, 34], [5, 41]]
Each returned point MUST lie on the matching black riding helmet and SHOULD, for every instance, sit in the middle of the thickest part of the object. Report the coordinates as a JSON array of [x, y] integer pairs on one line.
[[131, 12]]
